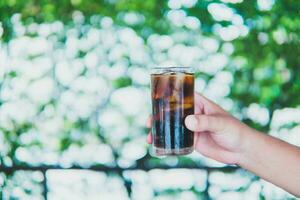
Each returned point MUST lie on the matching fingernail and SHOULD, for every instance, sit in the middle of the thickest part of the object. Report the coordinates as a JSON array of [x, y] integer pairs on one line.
[[191, 122]]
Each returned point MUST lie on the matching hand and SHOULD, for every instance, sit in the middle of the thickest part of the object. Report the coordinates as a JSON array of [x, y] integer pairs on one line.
[[218, 135]]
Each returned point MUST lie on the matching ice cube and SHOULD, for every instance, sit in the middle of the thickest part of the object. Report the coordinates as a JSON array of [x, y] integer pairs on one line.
[[160, 84], [179, 81]]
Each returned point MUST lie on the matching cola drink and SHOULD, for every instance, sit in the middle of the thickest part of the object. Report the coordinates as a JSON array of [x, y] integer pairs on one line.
[[172, 91]]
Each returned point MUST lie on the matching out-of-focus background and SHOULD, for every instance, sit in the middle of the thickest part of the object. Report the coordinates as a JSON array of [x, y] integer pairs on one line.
[[74, 93]]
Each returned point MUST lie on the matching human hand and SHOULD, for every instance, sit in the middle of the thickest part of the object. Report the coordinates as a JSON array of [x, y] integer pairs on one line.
[[218, 135]]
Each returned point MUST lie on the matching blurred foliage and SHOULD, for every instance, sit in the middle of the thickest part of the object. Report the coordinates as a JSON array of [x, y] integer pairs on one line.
[[270, 73], [49, 11], [264, 64]]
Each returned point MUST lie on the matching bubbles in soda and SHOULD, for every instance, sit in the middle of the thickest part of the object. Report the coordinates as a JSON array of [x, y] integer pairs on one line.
[[172, 101]]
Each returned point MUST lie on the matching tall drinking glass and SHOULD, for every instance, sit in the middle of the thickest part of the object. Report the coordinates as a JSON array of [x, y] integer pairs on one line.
[[172, 91]]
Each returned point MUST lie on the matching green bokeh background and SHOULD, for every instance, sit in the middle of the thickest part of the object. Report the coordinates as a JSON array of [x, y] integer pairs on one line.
[[262, 64]]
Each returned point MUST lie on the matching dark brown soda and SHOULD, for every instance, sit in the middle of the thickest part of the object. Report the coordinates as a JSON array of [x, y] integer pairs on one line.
[[172, 100]]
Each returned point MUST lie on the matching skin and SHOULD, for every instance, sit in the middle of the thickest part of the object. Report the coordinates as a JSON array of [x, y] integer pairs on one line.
[[220, 136]]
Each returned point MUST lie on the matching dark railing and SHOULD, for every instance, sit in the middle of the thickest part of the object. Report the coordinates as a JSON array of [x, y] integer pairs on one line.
[[44, 168]]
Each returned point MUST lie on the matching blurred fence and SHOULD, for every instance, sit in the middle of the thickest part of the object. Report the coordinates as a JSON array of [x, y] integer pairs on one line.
[[118, 170]]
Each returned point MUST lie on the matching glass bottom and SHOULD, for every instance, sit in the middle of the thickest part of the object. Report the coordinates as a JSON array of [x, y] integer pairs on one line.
[[156, 151]]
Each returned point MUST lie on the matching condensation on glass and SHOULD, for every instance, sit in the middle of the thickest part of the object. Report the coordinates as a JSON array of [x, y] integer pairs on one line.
[[172, 91]]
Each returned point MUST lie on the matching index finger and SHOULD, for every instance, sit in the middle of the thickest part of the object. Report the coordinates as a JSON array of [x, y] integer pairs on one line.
[[149, 122], [205, 106]]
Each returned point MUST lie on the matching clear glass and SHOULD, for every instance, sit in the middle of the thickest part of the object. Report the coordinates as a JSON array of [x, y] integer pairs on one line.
[[172, 92]]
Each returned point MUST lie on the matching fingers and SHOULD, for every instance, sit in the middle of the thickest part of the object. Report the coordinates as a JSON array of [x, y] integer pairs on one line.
[[206, 106], [200, 123], [149, 138], [210, 121], [199, 106], [205, 145], [148, 125], [149, 122]]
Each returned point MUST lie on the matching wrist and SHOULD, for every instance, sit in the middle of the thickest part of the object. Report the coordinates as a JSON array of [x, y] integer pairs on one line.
[[248, 145]]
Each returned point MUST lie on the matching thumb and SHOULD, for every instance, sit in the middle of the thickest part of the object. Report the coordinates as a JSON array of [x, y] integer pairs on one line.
[[200, 123]]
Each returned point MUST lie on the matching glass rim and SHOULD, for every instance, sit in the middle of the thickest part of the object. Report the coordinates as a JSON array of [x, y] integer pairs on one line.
[[161, 70]]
